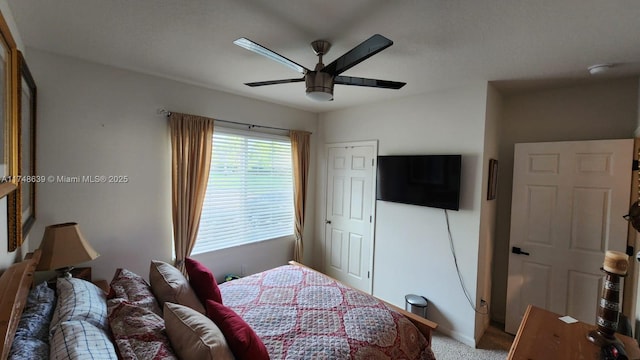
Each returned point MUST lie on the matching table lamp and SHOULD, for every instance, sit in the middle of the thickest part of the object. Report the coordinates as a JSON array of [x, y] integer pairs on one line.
[[62, 247]]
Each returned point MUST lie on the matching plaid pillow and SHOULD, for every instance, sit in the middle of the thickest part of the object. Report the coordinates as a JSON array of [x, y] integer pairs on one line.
[[79, 300], [80, 340]]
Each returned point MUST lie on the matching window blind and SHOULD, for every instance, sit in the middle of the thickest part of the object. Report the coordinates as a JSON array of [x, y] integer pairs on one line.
[[249, 195]]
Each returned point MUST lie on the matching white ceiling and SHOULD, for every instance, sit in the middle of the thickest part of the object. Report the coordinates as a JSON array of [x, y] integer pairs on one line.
[[437, 43]]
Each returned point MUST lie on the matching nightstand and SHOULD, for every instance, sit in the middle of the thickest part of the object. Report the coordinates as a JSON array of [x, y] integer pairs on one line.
[[83, 273], [103, 285]]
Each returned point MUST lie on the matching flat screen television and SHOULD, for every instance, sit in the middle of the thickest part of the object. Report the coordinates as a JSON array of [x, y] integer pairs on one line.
[[425, 180]]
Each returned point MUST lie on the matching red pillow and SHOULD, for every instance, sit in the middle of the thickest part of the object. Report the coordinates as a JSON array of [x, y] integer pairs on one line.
[[242, 340], [202, 281]]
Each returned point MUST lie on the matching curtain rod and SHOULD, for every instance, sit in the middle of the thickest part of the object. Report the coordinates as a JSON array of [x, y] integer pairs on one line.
[[167, 113]]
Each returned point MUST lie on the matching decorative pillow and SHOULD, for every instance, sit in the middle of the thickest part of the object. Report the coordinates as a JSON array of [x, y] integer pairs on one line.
[[37, 349], [242, 340], [79, 300], [139, 333], [202, 281], [132, 288], [37, 313], [81, 340], [193, 335], [168, 284], [41, 300]]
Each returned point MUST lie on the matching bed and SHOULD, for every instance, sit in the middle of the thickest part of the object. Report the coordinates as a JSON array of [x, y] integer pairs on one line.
[[295, 312]]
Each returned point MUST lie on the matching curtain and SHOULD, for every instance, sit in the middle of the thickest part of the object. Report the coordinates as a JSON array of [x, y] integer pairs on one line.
[[191, 142], [300, 160]]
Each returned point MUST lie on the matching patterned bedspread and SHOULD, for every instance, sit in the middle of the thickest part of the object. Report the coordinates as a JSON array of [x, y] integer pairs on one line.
[[301, 314]]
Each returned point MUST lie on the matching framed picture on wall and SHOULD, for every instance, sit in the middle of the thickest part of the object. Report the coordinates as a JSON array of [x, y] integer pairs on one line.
[[492, 187], [27, 95], [8, 183], [10, 137]]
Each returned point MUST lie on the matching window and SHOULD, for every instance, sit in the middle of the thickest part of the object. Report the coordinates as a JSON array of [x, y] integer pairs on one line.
[[250, 190]]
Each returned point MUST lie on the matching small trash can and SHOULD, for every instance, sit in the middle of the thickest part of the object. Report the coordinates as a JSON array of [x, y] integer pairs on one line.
[[416, 304]]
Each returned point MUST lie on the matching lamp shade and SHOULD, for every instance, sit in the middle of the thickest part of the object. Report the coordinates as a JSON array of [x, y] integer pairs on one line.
[[63, 245]]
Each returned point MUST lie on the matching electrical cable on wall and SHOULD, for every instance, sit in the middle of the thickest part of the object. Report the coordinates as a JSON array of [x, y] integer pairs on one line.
[[455, 260]]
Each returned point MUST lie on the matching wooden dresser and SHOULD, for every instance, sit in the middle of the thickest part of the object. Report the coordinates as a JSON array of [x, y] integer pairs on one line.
[[543, 336]]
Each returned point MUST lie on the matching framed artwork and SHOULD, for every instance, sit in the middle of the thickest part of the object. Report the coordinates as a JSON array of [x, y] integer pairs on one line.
[[7, 125], [492, 188], [28, 98], [10, 127]]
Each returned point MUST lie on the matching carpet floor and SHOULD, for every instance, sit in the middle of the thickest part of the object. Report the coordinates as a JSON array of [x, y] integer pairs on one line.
[[494, 345]]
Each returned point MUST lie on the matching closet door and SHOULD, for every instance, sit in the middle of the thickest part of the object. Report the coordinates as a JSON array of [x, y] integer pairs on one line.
[[350, 213]]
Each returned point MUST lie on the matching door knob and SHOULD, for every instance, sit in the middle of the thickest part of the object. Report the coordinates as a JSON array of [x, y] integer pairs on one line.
[[327, 221], [518, 251]]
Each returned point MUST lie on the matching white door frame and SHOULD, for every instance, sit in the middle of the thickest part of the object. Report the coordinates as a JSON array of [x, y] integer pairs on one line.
[[374, 144]]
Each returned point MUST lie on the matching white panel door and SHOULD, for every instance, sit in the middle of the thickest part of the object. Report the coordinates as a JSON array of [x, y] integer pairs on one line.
[[350, 212], [566, 210]]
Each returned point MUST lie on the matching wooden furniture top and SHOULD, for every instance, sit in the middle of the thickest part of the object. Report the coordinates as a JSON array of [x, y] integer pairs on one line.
[[103, 285], [15, 283], [424, 326], [542, 335]]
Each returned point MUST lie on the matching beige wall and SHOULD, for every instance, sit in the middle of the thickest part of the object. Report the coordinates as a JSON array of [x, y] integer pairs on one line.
[[412, 252], [488, 209], [99, 120], [602, 110]]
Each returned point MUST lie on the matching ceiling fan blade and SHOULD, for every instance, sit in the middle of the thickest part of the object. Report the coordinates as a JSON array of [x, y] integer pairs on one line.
[[358, 81], [261, 50], [358, 54], [274, 82]]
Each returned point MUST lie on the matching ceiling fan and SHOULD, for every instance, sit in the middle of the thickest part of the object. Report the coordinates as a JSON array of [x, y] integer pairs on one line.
[[320, 81]]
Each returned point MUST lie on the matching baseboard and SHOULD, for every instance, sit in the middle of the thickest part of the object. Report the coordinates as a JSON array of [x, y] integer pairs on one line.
[[457, 336]]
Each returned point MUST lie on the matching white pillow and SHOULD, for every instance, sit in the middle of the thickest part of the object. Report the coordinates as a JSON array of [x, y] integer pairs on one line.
[[79, 300], [80, 340]]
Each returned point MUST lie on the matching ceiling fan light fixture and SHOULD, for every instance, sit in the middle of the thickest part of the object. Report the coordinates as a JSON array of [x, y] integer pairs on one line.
[[599, 68], [320, 95], [319, 86]]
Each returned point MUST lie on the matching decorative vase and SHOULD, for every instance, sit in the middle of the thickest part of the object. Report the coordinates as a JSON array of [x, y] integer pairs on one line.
[[615, 267]]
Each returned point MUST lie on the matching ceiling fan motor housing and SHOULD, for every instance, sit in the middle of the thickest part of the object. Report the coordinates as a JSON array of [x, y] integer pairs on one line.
[[319, 85], [320, 81]]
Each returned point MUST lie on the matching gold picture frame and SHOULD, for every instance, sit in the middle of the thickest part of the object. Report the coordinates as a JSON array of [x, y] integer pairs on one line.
[[10, 127], [7, 125], [27, 105]]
